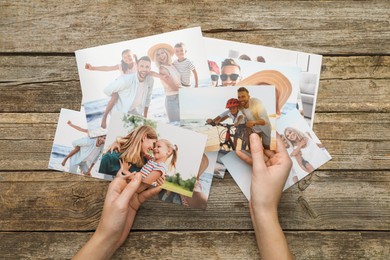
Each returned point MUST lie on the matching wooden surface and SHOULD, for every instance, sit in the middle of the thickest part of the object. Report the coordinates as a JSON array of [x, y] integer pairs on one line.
[[340, 211]]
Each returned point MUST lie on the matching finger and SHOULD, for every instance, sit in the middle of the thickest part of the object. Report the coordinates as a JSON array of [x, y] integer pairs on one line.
[[120, 173], [130, 189], [116, 186], [257, 152], [280, 148], [149, 193], [269, 153], [244, 156], [160, 181]]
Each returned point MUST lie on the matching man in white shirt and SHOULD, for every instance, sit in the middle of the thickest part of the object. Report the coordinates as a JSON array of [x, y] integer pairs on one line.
[[256, 115], [85, 154], [131, 93]]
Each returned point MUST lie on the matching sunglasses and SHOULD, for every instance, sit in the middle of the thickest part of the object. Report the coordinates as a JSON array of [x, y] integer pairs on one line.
[[233, 77], [214, 77]]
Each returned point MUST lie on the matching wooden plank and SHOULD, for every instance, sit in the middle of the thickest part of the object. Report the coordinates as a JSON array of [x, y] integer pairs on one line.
[[202, 245], [360, 95], [355, 67], [340, 27], [40, 96], [337, 200], [54, 68]]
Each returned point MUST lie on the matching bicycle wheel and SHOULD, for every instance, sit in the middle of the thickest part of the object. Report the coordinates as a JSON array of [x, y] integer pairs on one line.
[[222, 135]]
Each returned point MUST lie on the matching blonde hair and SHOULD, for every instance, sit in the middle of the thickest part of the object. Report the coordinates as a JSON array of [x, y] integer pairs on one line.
[[173, 154], [169, 60], [299, 134], [132, 144]]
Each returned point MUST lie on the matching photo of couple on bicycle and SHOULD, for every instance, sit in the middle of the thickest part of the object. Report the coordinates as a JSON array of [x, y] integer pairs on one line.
[[229, 115]]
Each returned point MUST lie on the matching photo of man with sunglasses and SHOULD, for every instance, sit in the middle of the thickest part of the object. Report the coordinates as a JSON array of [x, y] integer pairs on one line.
[[230, 73]]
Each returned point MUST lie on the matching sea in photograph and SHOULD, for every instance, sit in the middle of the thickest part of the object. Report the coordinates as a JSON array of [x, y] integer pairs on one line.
[[200, 126]]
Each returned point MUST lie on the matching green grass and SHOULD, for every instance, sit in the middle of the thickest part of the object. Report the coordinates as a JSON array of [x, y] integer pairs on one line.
[[176, 188]]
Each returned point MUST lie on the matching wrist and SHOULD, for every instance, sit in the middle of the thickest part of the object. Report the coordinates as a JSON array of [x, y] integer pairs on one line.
[[264, 216], [97, 247], [104, 244], [263, 210]]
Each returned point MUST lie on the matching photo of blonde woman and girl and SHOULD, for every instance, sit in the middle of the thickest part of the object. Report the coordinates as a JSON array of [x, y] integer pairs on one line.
[[152, 148], [155, 167]]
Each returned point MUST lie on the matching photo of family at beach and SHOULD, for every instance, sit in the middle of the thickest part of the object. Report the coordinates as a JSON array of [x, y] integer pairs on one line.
[[141, 77], [166, 155], [228, 115]]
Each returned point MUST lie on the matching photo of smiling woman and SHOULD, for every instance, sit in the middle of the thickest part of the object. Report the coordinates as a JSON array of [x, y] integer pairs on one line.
[[133, 149], [161, 54]]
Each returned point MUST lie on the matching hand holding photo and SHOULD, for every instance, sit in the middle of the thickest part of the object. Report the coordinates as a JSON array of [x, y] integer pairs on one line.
[[302, 145]]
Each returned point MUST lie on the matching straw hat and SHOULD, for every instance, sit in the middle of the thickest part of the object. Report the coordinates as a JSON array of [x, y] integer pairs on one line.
[[271, 77], [157, 46]]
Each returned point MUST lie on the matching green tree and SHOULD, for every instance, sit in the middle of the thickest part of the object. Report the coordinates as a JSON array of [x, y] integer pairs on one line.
[[132, 121]]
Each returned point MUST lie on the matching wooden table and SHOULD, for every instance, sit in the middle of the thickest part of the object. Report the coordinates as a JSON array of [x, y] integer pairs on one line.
[[340, 211]]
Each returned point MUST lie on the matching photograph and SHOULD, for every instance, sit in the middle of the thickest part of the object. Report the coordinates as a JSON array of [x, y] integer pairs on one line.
[[141, 76], [166, 155], [303, 146], [309, 65], [305, 149], [73, 149], [201, 189], [228, 115], [236, 72]]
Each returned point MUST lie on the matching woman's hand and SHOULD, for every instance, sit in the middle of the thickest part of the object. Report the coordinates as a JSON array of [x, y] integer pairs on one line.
[[119, 211], [270, 172]]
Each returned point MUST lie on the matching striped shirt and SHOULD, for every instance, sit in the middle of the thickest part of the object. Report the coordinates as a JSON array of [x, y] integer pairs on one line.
[[184, 67], [154, 166]]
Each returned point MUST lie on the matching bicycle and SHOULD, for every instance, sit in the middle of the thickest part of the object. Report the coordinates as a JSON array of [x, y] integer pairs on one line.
[[226, 135]]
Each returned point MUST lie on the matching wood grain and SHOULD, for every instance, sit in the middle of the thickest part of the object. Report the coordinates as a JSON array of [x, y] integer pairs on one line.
[[202, 245], [341, 200], [341, 211], [341, 27]]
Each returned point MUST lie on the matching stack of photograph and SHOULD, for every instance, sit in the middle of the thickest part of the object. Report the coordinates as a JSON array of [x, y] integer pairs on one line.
[[179, 108]]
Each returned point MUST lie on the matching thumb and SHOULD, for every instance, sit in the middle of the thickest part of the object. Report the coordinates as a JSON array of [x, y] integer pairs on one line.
[[130, 189], [257, 152]]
